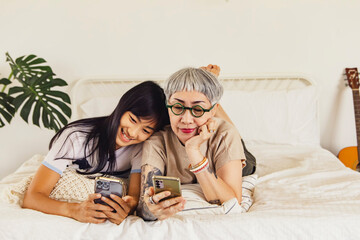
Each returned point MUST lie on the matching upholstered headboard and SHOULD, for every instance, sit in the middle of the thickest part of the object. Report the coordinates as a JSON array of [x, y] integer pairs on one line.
[[267, 108]]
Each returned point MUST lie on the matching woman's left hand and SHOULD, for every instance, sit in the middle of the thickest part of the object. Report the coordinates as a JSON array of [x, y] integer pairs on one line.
[[205, 132], [122, 206]]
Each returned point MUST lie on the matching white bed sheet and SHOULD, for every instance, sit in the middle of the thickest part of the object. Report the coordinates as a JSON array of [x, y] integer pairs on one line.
[[302, 192]]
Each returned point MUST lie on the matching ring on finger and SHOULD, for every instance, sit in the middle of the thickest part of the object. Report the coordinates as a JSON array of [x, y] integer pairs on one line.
[[212, 130], [151, 200]]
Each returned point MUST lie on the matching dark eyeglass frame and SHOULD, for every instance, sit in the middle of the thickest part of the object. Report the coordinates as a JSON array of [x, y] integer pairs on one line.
[[190, 109]]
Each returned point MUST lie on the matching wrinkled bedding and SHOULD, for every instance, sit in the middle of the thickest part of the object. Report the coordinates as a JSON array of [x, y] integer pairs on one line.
[[302, 192]]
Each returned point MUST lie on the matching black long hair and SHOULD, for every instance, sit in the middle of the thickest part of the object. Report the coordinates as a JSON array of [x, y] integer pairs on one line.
[[146, 101]]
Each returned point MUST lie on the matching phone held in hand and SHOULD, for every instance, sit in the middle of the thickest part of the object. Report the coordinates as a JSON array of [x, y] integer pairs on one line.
[[164, 183], [106, 186]]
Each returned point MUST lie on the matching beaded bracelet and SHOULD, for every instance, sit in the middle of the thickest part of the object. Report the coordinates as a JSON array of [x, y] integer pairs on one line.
[[200, 166]]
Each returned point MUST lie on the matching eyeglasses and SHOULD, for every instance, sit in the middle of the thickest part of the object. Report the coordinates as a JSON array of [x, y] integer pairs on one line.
[[197, 111]]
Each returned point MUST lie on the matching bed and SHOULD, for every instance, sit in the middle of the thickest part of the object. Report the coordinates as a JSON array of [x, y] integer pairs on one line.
[[302, 190]]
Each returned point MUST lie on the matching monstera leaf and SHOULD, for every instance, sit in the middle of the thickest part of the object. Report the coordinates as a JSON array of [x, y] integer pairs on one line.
[[7, 110], [25, 67], [35, 95]]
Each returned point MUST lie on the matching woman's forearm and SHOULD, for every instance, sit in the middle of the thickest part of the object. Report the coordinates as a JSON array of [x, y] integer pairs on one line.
[[215, 189], [39, 201], [37, 195], [134, 190]]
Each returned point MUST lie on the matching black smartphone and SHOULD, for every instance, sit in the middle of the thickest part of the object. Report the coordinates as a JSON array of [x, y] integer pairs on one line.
[[106, 186], [164, 183]]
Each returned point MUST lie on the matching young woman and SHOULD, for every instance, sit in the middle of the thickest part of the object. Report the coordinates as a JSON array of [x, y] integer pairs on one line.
[[196, 147], [104, 144]]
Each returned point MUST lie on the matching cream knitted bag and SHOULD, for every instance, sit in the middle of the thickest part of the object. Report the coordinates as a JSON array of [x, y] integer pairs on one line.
[[71, 187]]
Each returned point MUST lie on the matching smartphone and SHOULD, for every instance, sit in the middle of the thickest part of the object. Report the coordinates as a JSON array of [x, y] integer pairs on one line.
[[164, 183], [106, 186]]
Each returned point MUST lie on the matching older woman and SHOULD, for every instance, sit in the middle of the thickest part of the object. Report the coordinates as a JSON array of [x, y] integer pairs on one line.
[[196, 147]]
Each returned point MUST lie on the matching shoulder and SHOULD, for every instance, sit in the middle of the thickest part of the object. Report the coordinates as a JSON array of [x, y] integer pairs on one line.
[[135, 149], [225, 128], [160, 136], [159, 141], [226, 134], [72, 134]]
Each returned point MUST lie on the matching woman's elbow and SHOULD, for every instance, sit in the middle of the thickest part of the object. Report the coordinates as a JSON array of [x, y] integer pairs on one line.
[[238, 196], [28, 200], [25, 202]]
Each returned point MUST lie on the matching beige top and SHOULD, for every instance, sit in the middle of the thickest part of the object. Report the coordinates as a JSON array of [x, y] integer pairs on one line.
[[164, 151]]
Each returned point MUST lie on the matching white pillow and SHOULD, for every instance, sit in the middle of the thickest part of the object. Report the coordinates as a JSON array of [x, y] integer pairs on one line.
[[99, 106], [197, 205], [281, 117]]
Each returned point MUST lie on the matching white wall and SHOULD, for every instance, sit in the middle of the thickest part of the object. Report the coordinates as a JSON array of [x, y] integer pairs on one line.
[[157, 37]]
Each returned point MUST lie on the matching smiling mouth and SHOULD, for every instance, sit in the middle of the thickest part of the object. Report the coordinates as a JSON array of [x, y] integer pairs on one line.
[[124, 136]]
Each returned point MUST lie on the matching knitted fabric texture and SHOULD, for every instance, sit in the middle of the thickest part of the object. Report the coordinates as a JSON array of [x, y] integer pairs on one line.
[[71, 187]]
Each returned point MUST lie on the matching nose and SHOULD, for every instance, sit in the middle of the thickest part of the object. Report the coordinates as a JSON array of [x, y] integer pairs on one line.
[[134, 131], [187, 117]]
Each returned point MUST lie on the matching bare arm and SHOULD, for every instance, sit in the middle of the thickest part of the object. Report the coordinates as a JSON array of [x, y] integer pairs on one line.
[[160, 210], [134, 189], [37, 198], [227, 182], [224, 185]]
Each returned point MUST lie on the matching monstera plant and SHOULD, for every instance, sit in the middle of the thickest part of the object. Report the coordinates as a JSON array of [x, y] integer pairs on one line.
[[32, 94]]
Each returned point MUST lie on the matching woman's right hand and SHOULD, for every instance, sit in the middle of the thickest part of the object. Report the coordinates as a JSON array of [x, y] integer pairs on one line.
[[88, 211], [166, 208]]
